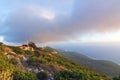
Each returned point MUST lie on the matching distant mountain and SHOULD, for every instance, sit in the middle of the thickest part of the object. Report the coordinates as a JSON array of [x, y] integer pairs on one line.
[[102, 66], [29, 62]]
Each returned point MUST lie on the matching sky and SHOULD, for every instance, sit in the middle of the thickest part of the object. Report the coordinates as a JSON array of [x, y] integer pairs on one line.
[[44, 21]]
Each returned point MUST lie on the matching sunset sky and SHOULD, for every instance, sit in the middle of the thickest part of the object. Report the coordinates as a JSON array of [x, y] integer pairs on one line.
[[59, 20]]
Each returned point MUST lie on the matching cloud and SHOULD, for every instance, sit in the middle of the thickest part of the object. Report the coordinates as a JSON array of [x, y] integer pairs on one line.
[[100, 15], [33, 22]]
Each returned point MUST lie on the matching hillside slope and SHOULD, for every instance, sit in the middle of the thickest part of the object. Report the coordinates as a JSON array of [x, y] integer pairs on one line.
[[29, 62], [105, 67]]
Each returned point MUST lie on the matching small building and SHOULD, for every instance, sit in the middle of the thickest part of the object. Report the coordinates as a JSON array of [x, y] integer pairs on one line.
[[26, 47]]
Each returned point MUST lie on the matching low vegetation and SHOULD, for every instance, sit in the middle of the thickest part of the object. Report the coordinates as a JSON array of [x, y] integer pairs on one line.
[[116, 78], [42, 64], [22, 75]]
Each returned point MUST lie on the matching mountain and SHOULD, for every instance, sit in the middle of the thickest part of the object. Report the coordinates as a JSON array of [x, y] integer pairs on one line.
[[102, 66], [99, 51], [29, 62]]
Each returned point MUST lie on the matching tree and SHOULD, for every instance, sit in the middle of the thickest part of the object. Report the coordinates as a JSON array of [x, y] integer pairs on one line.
[[32, 44]]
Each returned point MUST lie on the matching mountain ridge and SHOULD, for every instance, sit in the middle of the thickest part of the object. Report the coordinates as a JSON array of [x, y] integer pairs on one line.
[[103, 66]]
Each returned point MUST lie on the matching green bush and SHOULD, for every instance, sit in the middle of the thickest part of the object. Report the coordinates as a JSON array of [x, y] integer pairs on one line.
[[42, 76], [4, 63], [21, 75], [36, 53], [13, 61], [17, 50], [34, 61], [29, 52], [116, 78], [68, 75], [6, 69]]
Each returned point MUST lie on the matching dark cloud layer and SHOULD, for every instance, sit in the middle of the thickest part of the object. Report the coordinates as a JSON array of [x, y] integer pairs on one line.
[[27, 23]]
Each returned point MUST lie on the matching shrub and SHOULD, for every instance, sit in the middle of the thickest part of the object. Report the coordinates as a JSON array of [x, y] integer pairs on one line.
[[34, 61], [37, 53], [13, 61], [21, 75], [68, 75], [6, 69], [29, 52], [42, 76], [116, 78], [17, 50]]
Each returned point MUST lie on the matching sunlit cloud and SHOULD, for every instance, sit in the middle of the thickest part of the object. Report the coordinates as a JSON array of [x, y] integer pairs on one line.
[[101, 37], [42, 12], [47, 15]]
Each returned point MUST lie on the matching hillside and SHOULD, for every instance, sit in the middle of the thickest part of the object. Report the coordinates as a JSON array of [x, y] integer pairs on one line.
[[29, 62], [102, 66]]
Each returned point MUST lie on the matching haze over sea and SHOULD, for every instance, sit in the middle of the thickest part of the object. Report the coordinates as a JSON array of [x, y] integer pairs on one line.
[[101, 51]]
